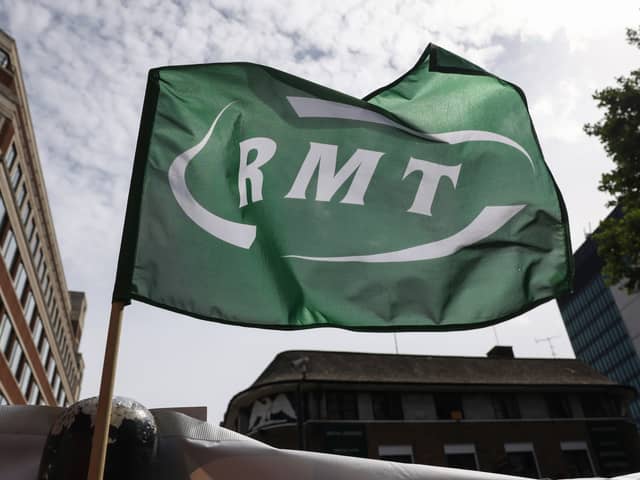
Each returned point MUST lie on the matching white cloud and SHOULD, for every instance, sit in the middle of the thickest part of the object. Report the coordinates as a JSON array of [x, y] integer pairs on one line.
[[86, 64]]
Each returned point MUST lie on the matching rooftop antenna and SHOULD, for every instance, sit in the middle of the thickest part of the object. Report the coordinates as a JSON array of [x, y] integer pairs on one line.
[[495, 334], [549, 340]]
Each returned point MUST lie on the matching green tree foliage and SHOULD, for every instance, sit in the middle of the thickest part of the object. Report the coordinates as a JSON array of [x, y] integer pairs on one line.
[[618, 239]]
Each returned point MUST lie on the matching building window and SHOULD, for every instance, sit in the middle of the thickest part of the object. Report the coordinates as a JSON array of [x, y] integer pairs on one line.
[[25, 377], [449, 406], [461, 455], [20, 195], [505, 405], [20, 279], [558, 405], [10, 157], [34, 393], [418, 406], [15, 356], [4, 59], [25, 211], [28, 230], [41, 271], [5, 334], [15, 177], [387, 405], [3, 213], [9, 249], [37, 258], [44, 349], [56, 385], [521, 460], [576, 459], [33, 245], [396, 453], [37, 329], [598, 405], [51, 368], [29, 307], [342, 405]]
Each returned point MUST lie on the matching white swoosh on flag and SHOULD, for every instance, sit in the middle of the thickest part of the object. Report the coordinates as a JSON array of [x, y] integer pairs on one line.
[[238, 234], [309, 107], [488, 221]]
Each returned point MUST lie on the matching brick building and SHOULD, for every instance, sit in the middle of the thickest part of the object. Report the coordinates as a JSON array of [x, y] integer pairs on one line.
[[41, 321], [531, 417]]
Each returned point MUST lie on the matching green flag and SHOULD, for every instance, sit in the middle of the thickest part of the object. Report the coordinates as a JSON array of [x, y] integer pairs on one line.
[[262, 199]]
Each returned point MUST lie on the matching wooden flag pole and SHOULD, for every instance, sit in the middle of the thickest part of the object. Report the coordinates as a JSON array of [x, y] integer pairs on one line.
[[103, 415]]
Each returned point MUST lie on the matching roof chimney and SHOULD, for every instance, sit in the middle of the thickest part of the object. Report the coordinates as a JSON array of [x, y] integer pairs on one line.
[[501, 351]]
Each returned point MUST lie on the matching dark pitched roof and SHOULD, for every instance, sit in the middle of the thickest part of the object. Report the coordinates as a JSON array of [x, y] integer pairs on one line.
[[420, 369]]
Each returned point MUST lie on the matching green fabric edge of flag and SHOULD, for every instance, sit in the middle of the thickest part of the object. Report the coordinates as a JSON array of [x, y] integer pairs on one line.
[[126, 259]]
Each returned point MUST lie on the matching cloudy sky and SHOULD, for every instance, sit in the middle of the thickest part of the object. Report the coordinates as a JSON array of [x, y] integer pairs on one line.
[[85, 66]]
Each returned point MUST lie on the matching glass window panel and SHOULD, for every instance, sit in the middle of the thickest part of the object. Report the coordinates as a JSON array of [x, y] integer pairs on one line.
[[25, 376], [10, 157], [33, 245], [37, 329], [29, 307], [4, 59], [37, 258], [9, 249], [449, 406], [34, 393], [21, 194], [44, 349], [558, 405], [20, 280], [577, 464], [15, 357], [522, 464], [56, 385], [25, 211], [16, 176], [41, 272], [46, 289], [29, 229], [51, 369], [505, 405], [342, 405], [462, 455], [387, 405], [3, 211], [5, 333]]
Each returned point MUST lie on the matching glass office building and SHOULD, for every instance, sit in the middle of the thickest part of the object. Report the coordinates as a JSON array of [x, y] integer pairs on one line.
[[603, 323]]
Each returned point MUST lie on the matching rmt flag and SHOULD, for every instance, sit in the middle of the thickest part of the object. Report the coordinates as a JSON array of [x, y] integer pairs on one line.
[[262, 199]]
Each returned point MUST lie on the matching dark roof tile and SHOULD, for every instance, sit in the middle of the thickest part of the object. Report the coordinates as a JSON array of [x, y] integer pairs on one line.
[[420, 369]]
